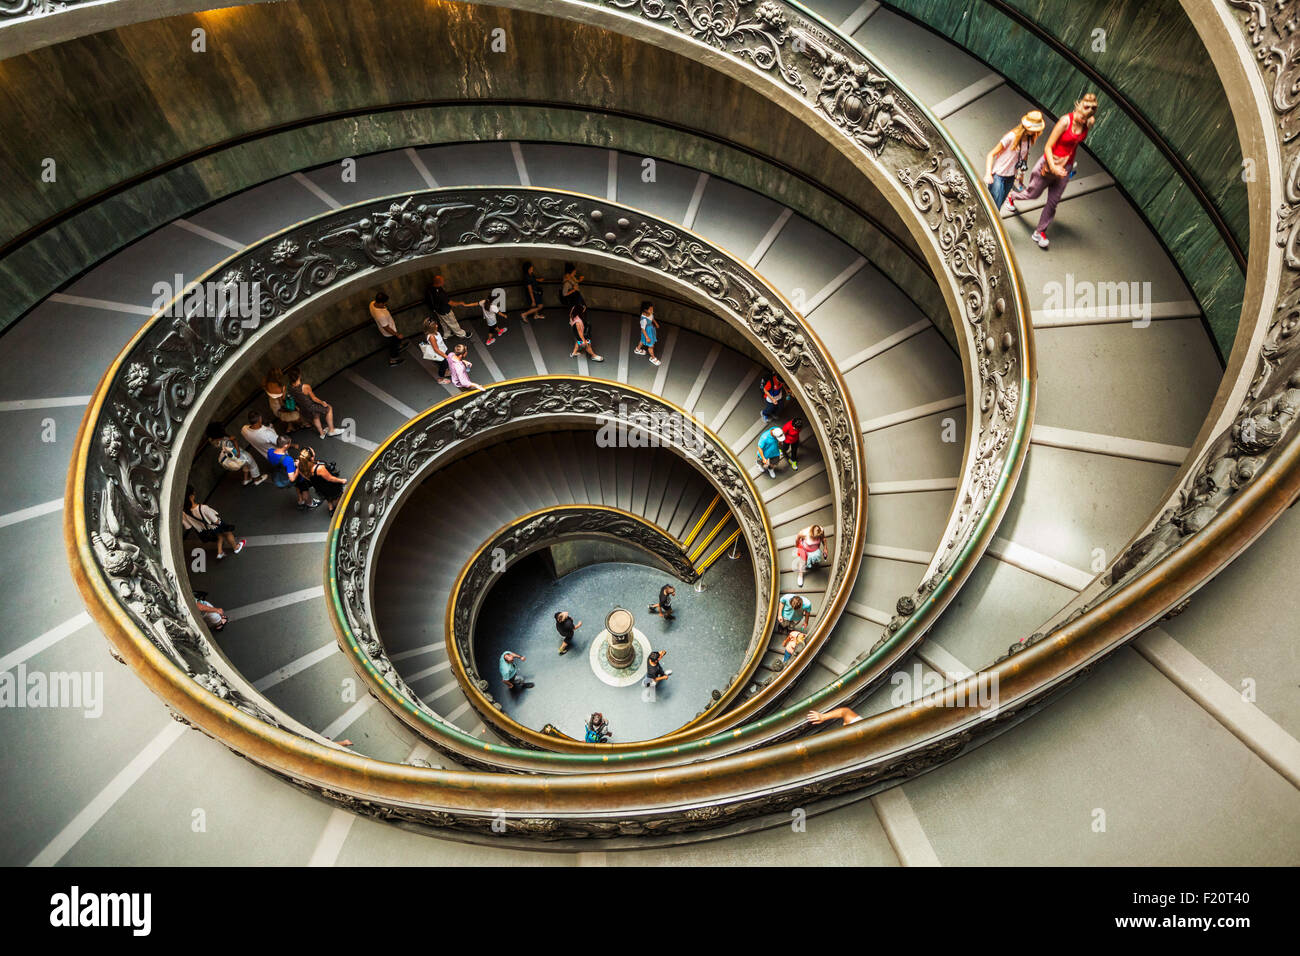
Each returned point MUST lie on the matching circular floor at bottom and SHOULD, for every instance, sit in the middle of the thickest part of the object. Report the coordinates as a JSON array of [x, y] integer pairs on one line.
[[705, 644]]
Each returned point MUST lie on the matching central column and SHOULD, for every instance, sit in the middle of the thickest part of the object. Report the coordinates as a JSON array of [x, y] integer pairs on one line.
[[621, 651]]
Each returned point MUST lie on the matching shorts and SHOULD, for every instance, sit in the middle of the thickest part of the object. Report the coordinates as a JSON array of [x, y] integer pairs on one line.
[[211, 534]]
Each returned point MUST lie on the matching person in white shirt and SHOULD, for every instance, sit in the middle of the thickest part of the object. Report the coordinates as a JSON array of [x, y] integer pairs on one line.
[[259, 436], [493, 319], [387, 327]]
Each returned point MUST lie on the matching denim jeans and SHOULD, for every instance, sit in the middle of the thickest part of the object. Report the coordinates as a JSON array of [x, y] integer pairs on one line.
[[999, 189]]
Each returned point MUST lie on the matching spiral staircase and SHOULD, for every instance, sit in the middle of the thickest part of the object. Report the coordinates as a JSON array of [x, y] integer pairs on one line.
[[1176, 728]]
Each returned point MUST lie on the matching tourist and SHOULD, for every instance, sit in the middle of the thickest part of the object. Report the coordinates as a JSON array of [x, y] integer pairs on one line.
[[260, 436], [233, 458], [510, 671], [324, 482], [773, 396], [565, 625], [598, 729], [493, 318], [533, 292], [387, 327], [769, 450], [460, 366], [205, 520], [649, 332], [654, 672], [578, 322], [570, 295], [795, 612], [213, 615], [809, 550], [792, 645], [434, 349], [790, 441], [282, 404], [285, 472], [839, 713], [312, 405], [302, 481], [665, 606], [1054, 168], [440, 304], [1005, 165]]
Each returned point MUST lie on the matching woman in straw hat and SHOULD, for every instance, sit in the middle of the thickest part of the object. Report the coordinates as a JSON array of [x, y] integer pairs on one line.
[[1005, 165], [1052, 171]]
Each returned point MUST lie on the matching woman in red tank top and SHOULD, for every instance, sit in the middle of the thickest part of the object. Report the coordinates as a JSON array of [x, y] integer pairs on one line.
[[1052, 172]]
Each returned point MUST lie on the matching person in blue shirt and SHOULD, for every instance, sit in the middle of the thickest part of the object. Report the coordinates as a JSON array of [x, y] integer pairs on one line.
[[283, 465], [795, 611], [510, 671], [769, 450]]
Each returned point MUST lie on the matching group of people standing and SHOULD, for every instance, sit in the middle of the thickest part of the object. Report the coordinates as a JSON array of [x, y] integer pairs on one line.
[[1011, 179]]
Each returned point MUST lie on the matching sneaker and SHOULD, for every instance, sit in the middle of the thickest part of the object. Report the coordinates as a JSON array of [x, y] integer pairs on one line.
[[655, 361], [640, 350], [490, 340], [527, 684], [771, 473], [240, 547], [653, 609], [221, 556], [462, 334], [1011, 204], [668, 673], [1040, 239], [397, 361], [502, 331], [247, 482], [259, 479], [315, 503], [597, 358], [794, 465], [333, 433], [799, 580]]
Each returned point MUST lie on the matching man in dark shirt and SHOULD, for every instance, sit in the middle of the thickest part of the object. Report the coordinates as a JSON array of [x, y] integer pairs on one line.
[[440, 304], [565, 625], [654, 671], [665, 606]]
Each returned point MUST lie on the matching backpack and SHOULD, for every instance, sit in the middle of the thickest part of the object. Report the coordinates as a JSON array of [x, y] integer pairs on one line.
[[595, 736]]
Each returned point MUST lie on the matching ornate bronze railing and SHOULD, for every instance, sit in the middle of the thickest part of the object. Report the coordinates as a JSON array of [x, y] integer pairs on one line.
[[476, 420]]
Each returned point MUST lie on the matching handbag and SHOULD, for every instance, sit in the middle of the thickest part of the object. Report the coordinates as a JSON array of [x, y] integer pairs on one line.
[[289, 405], [429, 352], [229, 458]]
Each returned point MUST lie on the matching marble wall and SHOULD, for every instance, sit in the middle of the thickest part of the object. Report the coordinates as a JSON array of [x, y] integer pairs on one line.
[[1153, 56]]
